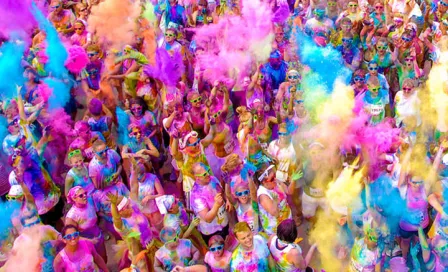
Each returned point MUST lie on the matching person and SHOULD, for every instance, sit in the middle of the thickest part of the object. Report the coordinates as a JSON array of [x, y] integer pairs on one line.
[[246, 208], [252, 253], [174, 252], [286, 254], [407, 103], [86, 138], [78, 175], [77, 253], [272, 199], [208, 203], [218, 258], [365, 255], [376, 101]]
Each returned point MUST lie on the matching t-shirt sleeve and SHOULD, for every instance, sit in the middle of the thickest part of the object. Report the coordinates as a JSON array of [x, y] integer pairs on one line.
[[199, 205]]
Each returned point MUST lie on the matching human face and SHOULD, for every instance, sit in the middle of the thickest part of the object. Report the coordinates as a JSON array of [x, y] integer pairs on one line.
[[352, 7], [93, 55], [319, 13], [379, 8], [406, 40], [173, 242], [284, 135], [269, 182], [136, 133], [101, 152], [374, 89], [79, 28], [202, 175], [217, 249], [196, 100], [371, 241], [346, 27], [359, 80], [29, 75], [243, 195], [77, 161], [279, 35], [13, 127], [56, 6], [443, 6], [409, 61], [347, 41], [71, 237], [245, 239], [408, 90], [84, 132], [170, 36], [332, 5], [83, 11], [137, 110], [80, 197], [382, 47], [293, 78], [373, 69], [415, 182]]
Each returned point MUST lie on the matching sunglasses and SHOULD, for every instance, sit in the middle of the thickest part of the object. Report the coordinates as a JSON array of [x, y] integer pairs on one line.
[[136, 108], [78, 28], [353, 5], [195, 143], [331, 4], [376, 89], [73, 153], [169, 35], [213, 249], [71, 236], [379, 7], [92, 54], [9, 197], [216, 115], [416, 182], [372, 238], [382, 47], [443, 3], [300, 101], [283, 134], [261, 76], [55, 7], [407, 89], [13, 122], [243, 193], [100, 153], [357, 79], [293, 77], [205, 174], [199, 99], [136, 133], [83, 195], [406, 39], [408, 59], [373, 68], [347, 40]]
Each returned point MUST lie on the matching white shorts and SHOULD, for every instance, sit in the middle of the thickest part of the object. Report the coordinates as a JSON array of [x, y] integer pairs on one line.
[[310, 204]]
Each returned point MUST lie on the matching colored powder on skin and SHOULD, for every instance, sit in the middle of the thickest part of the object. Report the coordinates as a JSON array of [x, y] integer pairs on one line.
[[16, 17], [123, 123], [167, 69], [77, 59], [55, 50], [11, 70], [115, 21]]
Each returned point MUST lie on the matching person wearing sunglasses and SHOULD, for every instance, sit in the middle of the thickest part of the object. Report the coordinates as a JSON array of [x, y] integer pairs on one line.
[[257, 89], [208, 203], [365, 254], [62, 19], [251, 245], [353, 12], [246, 206], [275, 70], [373, 71], [408, 69], [332, 10], [80, 37], [82, 11], [262, 124], [376, 101], [85, 138], [218, 257], [272, 199], [169, 42], [83, 214], [78, 175], [288, 89], [178, 122], [319, 22], [99, 118], [407, 103], [284, 250], [350, 53], [78, 254], [175, 251], [197, 112], [383, 56], [359, 83]]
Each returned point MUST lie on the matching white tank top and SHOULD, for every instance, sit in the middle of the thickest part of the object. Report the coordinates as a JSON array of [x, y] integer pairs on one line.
[[280, 255]]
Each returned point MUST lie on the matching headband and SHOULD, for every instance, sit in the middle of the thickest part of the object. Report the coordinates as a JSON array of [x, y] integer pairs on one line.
[[72, 193], [316, 144], [184, 142], [265, 173], [122, 203]]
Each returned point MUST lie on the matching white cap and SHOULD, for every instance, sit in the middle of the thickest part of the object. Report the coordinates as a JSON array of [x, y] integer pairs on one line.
[[15, 190]]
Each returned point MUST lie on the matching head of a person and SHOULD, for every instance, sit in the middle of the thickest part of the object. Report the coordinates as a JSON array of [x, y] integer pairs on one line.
[[408, 87], [216, 114], [266, 176], [124, 207], [352, 6], [373, 84], [15, 193], [407, 38], [11, 109], [373, 68], [82, 9], [56, 6], [202, 6], [350, 155], [319, 12], [77, 196], [135, 132], [382, 46], [409, 60], [95, 107], [82, 129], [371, 238], [70, 234], [332, 5], [299, 106], [244, 235], [191, 144], [170, 237], [379, 7], [293, 77], [201, 173], [316, 153], [242, 193], [13, 126], [359, 77], [279, 33], [275, 59], [216, 245], [232, 164], [287, 231], [100, 148], [31, 75], [245, 117], [195, 99], [93, 52], [346, 25], [284, 134], [347, 39], [398, 20], [170, 35], [137, 106], [79, 26], [75, 158], [442, 6]]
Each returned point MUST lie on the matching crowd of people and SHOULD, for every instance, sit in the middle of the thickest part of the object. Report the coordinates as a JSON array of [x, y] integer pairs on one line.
[[231, 135]]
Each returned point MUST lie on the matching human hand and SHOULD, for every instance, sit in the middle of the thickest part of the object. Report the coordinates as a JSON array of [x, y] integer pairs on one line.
[[195, 222], [229, 206], [178, 269], [219, 201], [113, 198]]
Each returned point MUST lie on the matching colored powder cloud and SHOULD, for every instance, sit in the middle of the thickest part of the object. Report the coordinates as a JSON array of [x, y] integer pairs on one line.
[[16, 18], [11, 69]]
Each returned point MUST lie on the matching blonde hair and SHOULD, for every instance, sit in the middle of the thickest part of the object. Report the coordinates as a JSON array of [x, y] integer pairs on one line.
[[232, 161], [241, 227], [243, 115], [409, 82]]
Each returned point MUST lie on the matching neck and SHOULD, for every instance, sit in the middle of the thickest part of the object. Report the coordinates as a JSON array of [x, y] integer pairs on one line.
[[71, 248], [247, 248]]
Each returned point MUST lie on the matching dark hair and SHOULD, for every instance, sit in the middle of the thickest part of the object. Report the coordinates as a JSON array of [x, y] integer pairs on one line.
[[67, 227], [139, 101], [287, 231]]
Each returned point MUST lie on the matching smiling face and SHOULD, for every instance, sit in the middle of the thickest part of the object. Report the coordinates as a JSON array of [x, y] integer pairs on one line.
[[246, 239], [242, 193], [201, 174], [77, 161], [80, 198], [217, 249], [136, 133], [373, 69], [352, 6], [71, 237], [382, 47], [170, 36], [79, 28]]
